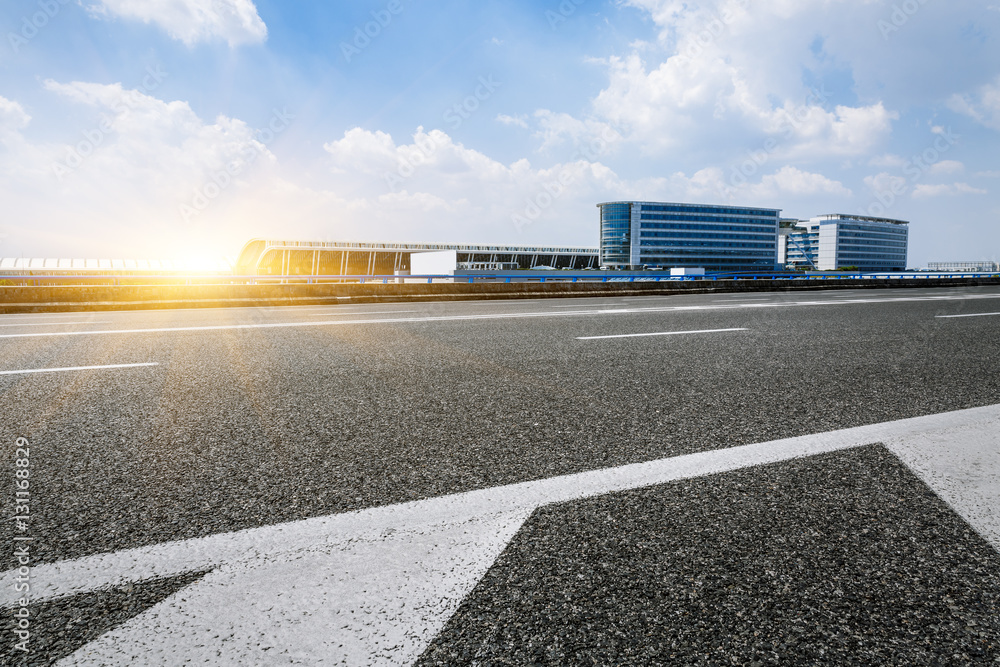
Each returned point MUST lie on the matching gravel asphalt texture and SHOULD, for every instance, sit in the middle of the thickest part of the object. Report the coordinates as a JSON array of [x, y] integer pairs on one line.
[[839, 559], [60, 628], [240, 428], [244, 428]]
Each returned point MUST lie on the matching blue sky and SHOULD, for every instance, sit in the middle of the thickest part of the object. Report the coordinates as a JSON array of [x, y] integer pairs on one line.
[[173, 128]]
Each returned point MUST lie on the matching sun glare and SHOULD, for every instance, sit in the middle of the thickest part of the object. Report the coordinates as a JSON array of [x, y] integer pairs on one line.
[[203, 264]]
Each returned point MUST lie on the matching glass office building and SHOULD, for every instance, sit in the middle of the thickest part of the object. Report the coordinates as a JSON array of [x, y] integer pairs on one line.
[[716, 238], [831, 242]]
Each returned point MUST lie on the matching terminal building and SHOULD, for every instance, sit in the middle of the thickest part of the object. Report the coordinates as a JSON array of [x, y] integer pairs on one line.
[[964, 267], [263, 257], [665, 235], [839, 241]]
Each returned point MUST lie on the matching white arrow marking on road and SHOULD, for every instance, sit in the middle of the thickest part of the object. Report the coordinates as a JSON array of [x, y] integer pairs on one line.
[[376, 585], [374, 600]]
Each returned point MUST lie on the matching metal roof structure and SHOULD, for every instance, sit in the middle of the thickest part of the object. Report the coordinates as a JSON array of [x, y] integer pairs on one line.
[[293, 256]]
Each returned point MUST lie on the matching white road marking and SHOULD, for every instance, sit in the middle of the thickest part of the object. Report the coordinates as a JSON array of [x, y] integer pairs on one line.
[[490, 316], [364, 312], [375, 599], [52, 324], [48, 316], [944, 317], [659, 333], [743, 299], [376, 585], [77, 368]]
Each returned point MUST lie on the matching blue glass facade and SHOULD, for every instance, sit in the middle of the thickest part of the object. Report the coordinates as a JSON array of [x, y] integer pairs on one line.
[[716, 238], [871, 246], [616, 234]]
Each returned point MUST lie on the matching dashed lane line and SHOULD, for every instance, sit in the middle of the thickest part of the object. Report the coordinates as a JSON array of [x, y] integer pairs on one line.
[[52, 324], [78, 368], [945, 317], [495, 316], [659, 333]]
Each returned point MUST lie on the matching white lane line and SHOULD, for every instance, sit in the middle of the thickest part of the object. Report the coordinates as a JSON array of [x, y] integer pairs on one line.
[[748, 303], [46, 317], [77, 368], [375, 586], [53, 324], [490, 316], [364, 312], [945, 317], [659, 333]]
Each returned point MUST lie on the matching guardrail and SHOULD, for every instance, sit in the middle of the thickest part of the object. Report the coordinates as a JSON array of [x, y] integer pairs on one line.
[[166, 280]]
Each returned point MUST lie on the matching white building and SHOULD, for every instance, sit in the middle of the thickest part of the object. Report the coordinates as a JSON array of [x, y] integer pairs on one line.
[[831, 242], [964, 267]]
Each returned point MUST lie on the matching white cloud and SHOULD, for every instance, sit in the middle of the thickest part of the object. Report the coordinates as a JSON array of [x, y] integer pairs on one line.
[[434, 174], [134, 163], [924, 191], [556, 129], [21, 162], [13, 117], [884, 183], [795, 182], [192, 21], [983, 105], [887, 160], [139, 136], [845, 132], [719, 80], [946, 167], [772, 190], [519, 120]]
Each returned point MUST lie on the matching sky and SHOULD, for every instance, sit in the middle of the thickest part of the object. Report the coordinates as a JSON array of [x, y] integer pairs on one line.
[[180, 129]]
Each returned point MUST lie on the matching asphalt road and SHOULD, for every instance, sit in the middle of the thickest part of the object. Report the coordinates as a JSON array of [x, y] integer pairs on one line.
[[775, 565], [191, 423]]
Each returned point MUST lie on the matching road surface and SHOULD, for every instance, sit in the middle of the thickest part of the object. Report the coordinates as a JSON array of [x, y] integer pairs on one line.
[[710, 479]]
